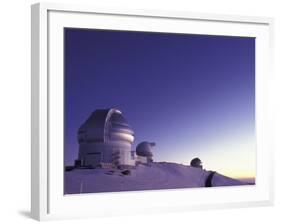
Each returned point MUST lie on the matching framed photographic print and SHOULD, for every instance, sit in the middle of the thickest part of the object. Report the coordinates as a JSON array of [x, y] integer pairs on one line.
[[138, 111]]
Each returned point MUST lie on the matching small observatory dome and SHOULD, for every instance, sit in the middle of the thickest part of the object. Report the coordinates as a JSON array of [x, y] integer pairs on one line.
[[144, 149], [196, 162]]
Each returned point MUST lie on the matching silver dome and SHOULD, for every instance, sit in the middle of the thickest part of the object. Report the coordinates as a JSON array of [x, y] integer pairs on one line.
[[106, 125], [196, 162], [145, 149]]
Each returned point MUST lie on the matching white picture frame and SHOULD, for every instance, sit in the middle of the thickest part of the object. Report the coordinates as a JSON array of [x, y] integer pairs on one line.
[[48, 201]]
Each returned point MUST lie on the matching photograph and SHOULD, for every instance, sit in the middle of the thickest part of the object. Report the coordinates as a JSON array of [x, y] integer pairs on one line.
[[155, 110]]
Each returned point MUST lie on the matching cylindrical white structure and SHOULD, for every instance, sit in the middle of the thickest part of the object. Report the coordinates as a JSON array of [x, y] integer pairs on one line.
[[105, 138]]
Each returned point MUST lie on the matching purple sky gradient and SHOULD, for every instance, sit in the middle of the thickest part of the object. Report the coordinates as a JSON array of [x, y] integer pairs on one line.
[[182, 91]]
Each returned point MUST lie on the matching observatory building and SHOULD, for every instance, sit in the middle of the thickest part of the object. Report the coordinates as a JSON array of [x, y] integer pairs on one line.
[[144, 152], [105, 139], [197, 163]]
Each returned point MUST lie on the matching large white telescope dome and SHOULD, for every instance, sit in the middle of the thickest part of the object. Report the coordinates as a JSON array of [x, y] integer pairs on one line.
[[106, 125]]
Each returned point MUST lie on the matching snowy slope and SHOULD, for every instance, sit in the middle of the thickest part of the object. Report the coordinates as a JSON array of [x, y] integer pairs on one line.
[[160, 175]]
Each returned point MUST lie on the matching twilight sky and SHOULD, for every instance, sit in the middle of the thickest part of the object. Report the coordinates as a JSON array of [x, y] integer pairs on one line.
[[194, 95]]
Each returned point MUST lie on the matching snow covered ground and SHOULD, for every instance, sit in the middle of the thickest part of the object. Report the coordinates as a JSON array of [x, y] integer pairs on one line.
[[158, 175]]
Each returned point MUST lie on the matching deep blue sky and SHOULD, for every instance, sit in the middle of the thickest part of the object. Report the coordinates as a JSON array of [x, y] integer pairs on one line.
[[194, 95]]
